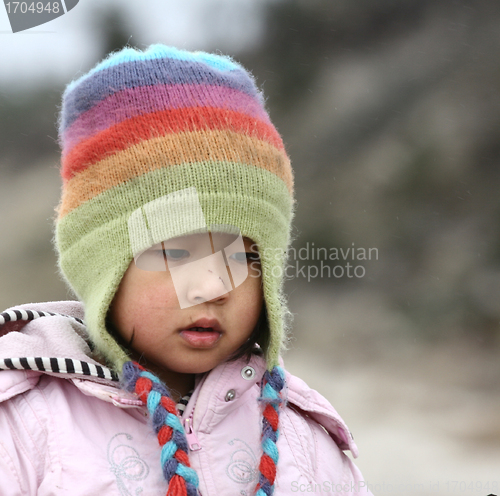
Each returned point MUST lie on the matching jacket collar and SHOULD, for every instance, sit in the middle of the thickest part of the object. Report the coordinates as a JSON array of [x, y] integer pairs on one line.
[[222, 390], [228, 385]]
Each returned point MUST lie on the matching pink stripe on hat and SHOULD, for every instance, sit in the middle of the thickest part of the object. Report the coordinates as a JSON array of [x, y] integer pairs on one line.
[[130, 103]]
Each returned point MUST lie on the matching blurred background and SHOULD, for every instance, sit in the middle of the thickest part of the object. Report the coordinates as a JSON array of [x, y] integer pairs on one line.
[[390, 111]]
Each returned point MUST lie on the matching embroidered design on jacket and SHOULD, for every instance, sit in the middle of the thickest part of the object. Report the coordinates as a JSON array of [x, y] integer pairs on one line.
[[126, 464], [242, 466]]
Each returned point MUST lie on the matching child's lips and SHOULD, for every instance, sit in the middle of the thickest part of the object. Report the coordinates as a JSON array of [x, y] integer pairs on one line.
[[200, 339], [203, 333]]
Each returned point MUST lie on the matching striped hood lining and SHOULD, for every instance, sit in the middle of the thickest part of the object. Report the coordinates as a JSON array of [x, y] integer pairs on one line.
[[27, 315], [58, 366], [51, 364]]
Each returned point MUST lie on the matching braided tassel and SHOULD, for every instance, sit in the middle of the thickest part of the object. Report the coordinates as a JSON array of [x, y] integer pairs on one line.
[[182, 479], [272, 385]]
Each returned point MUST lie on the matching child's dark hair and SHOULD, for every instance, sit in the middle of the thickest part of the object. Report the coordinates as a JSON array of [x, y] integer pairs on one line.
[[258, 340]]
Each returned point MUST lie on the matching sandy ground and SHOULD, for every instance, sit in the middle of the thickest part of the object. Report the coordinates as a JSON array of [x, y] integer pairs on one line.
[[426, 418]]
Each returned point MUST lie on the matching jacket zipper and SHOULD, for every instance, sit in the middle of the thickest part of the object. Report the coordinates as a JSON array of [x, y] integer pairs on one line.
[[193, 443]]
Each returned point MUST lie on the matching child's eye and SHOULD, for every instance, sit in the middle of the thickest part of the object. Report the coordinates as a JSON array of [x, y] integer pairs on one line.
[[242, 256], [176, 255]]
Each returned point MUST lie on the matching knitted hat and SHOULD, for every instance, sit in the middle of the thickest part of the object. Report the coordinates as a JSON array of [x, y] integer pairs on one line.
[[142, 125]]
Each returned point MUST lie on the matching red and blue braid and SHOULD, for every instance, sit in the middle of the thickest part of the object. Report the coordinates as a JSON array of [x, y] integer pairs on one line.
[[271, 396], [182, 479]]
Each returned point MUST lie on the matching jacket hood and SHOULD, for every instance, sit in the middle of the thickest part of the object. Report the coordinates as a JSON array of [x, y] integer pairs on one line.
[[46, 338]]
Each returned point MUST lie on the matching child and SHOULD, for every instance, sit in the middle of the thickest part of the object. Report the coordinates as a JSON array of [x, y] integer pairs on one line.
[[172, 230]]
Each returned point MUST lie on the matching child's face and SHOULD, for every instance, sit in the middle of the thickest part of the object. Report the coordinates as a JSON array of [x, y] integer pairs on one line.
[[147, 314]]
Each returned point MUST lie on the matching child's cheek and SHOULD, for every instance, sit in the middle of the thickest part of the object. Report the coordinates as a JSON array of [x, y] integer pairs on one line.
[[158, 294]]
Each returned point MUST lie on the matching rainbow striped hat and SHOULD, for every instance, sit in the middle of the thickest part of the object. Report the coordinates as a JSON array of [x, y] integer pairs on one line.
[[142, 125]]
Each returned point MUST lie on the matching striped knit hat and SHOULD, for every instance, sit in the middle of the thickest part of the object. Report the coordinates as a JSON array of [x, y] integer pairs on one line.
[[142, 125]]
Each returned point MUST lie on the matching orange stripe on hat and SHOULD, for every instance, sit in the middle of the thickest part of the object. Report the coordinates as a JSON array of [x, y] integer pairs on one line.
[[133, 131], [168, 151]]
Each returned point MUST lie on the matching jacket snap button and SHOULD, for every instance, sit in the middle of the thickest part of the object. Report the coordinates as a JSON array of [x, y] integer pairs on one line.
[[247, 373], [230, 395]]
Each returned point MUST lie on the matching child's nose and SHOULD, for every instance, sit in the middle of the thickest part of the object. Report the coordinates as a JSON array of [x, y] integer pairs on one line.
[[204, 280], [210, 287]]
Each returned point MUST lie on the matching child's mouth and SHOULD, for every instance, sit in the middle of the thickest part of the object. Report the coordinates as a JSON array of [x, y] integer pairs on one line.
[[200, 337]]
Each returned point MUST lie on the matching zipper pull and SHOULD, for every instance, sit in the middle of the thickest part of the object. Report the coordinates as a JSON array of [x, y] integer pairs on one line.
[[194, 444]]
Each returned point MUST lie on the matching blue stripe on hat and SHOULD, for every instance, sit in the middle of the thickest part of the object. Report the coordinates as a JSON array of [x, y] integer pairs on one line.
[[221, 63], [87, 92]]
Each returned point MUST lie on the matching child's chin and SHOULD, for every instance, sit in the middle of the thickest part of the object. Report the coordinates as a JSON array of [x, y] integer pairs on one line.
[[201, 367]]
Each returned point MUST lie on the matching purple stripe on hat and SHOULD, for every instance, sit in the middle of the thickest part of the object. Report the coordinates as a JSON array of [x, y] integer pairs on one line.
[[129, 103], [147, 73]]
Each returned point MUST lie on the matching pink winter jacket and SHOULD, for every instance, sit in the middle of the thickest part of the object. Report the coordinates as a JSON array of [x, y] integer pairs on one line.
[[66, 428]]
